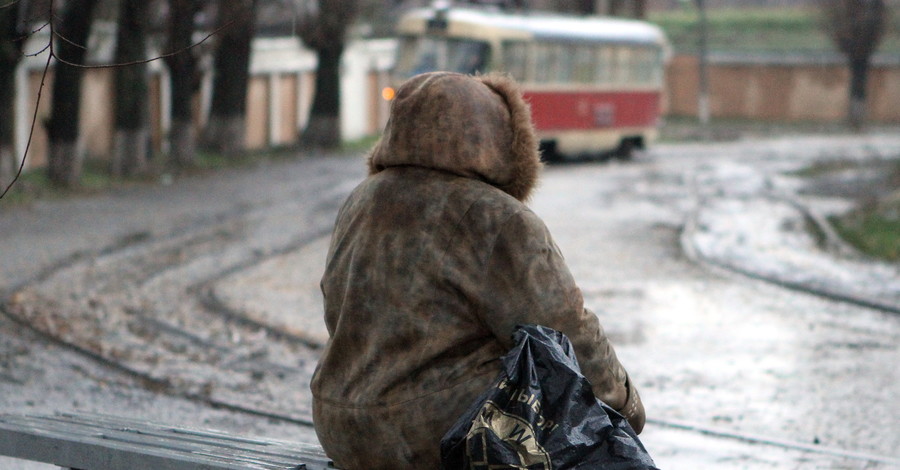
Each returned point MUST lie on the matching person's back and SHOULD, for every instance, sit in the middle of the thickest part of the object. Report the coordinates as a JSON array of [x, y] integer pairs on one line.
[[434, 261]]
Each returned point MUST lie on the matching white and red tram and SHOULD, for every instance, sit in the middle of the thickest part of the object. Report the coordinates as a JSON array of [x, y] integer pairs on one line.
[[594, 84]]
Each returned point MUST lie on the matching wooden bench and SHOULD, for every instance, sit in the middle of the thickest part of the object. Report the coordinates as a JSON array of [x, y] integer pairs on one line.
[[101, 442]]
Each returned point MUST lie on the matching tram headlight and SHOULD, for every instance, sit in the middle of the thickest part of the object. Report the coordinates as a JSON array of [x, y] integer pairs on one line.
[[388, 93]]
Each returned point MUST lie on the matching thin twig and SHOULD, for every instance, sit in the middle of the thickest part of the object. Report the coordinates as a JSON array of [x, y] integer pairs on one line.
[[35, 54], [147, 61], [38, 30], [65, 39]]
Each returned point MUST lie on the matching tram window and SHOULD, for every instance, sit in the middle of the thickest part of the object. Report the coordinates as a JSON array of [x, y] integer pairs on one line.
[[623, 66], [547, 63], [554, 63], [640, 70], [657, 67], [605, 64], [649, 66], [425, 54], [616, 65], [627, 65], [564, 54], [417, 55], [637, 69], [645, 66], [584, 68], [515, 59], [654, 66], [467, 56]]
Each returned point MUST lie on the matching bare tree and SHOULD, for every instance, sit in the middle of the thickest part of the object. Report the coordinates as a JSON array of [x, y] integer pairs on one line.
[[630, 8], [381, 15], [184, 81], [856, 27], [225, 130], [132, 133], [639, 9], [323, 27], [586, 7], [11, 41], [67, 46], [65, 159]]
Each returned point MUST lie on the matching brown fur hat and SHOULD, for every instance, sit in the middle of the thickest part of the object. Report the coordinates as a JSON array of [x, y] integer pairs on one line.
[[473, 126]]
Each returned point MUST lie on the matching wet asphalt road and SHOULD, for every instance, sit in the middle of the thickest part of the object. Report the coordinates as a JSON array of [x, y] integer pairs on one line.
[[197, 304], [716, 350]]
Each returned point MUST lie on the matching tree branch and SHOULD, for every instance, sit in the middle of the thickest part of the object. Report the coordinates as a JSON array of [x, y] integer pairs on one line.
[[152, 59]]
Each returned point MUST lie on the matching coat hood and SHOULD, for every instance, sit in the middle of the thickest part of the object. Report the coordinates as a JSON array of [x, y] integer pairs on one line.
[[473, 126]]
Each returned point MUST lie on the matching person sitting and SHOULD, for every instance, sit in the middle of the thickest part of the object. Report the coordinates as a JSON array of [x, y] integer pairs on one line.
[[434, 260]]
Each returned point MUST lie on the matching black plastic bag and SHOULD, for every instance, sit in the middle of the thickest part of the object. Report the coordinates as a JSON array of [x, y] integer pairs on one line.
[[541, 414]]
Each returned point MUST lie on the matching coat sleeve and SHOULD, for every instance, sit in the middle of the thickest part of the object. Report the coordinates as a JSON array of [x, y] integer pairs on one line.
[[528, 282]]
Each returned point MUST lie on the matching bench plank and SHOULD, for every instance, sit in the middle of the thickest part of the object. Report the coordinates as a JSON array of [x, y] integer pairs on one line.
[[102, 442]]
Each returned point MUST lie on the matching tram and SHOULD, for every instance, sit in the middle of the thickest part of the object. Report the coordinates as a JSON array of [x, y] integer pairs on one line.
[[594, 83]]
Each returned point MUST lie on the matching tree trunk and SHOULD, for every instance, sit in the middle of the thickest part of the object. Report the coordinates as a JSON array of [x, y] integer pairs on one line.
[[183, 83], [324, 129], [615, 7], [182, 143], [225, 130], [8, 159], [325, 33], [640, 9], [65, 161], [856, 27], [586, 7], [131, 147], [859, 76], [10, 55]]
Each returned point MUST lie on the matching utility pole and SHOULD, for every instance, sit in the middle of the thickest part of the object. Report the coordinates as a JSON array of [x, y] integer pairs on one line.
[[703, 92]]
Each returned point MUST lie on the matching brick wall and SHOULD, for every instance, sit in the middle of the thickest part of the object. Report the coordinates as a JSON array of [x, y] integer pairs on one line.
[[780, 90]]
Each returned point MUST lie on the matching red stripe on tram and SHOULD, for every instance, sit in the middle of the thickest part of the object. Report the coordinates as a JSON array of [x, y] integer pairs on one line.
[[561, 110]]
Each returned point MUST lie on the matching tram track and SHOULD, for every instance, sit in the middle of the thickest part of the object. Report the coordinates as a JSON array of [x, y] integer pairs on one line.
[[770, 441], [818, 287], [164, 386], [146, 307], [183, 307], [159, 385]]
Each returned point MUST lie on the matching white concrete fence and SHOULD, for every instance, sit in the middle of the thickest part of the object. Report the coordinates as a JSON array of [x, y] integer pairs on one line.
[[280, 93]]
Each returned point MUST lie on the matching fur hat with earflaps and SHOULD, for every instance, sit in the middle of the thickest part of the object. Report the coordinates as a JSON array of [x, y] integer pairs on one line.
[[474, 126]]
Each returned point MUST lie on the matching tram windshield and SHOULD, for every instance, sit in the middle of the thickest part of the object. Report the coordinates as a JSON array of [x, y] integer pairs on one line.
[[428, 54]]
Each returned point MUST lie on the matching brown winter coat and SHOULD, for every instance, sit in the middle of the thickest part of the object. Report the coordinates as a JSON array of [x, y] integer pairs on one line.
[[434, 261]]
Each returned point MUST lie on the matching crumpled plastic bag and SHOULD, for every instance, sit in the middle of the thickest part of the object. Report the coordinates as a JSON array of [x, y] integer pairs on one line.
[[541, 414]]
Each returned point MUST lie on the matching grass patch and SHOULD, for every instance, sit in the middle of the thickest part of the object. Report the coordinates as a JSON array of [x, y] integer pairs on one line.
[[211, 161], [759, 30], [34, 184], [873, 226], [875, 231], [829, 167], [360, 145], [214, 161], [822, 168]]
